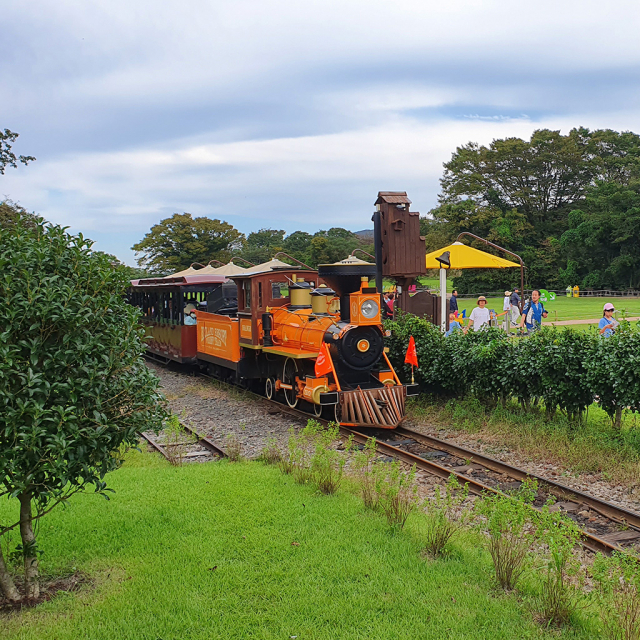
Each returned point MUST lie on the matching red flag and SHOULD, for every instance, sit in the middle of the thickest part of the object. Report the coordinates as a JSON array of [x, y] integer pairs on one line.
[[323, 362], [412, 356]]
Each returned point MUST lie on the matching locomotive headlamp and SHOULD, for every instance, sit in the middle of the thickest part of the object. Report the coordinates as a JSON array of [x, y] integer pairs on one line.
[[369, 309]]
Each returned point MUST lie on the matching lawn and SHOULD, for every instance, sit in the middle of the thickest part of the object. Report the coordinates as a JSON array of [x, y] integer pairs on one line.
[[563, 308], [220, 550]]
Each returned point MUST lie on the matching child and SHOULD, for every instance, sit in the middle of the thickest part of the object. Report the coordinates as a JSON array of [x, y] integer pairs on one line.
[[453, 324]]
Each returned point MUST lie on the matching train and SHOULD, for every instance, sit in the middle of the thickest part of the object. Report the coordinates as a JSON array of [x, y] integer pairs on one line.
[[311, 339]]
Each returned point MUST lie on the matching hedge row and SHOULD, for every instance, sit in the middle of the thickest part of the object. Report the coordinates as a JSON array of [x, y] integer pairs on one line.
[[567, 369]]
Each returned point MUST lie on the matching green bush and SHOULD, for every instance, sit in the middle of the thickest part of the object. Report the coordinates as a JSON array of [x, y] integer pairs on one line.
[[614, 371], [565, 369]]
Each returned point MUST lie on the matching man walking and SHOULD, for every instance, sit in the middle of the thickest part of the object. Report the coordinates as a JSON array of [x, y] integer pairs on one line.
[[453, 301], [533, 312], [514, 299]]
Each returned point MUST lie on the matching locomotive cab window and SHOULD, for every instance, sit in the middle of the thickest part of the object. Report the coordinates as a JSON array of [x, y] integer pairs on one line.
[[279, 290]]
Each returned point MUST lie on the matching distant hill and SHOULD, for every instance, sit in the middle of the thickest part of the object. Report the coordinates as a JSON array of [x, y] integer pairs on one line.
[[365, 234]]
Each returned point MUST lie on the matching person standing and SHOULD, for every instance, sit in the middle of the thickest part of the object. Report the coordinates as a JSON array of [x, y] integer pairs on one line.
[[480, 316], [506, 309], [454, 325], [608, 324], [515, 306], [533, 312], [453, 301]]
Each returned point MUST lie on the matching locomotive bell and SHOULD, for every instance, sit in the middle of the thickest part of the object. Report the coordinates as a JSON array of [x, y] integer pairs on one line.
[[300, 292], [320, 299]]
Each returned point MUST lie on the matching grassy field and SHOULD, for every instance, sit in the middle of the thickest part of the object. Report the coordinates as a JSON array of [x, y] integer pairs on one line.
[[562, 308], [239, 551]]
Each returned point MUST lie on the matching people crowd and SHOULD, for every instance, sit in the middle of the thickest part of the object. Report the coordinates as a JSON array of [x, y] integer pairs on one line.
[[528, 318]]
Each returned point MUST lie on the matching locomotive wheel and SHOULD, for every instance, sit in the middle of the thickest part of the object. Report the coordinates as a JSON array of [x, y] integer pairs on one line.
[[289, 372], [269, 388]]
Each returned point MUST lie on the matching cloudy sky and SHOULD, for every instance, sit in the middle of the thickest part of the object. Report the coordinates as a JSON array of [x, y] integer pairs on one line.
[[289, 114]]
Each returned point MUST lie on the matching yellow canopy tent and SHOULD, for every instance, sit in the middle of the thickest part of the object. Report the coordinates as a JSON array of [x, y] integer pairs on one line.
[[462, 256]]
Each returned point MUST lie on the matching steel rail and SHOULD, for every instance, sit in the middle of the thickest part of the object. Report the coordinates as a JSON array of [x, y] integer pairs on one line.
[[589, 541], [201, 440], [613, 512]]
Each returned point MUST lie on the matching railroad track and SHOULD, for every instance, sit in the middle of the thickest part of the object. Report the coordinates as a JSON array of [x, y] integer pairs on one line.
[[606, 527], [196, 447]]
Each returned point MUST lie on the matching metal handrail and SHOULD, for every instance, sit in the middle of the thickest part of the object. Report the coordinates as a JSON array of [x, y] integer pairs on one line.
[[286, 255], [366, 253]]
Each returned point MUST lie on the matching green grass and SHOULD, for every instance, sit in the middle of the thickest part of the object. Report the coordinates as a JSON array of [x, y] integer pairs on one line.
[[594, 447], [206, 551], [563, 308]]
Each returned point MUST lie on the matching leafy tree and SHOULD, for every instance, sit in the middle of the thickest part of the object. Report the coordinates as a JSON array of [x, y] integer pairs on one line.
[[603, 239], [175, 243], [297, 244], [7, 157], [331, 246], [262, 245], [73, 385], [519, 193], [131, 273], [11, 213]]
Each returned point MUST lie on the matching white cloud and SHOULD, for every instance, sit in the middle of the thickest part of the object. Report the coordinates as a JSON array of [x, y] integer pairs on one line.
[[320, 103]]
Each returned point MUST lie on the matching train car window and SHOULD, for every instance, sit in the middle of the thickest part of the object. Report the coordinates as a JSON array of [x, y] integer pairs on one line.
[[259, 295], [279, 290]]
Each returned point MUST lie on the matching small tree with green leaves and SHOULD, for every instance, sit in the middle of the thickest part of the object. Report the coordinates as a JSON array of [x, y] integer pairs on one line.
[[73, 385]]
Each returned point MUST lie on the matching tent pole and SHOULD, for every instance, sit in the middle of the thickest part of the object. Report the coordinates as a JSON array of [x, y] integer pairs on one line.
[[443, 300]]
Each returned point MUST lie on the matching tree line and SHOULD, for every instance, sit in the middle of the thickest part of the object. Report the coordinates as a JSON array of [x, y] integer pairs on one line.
[[569, 205], [181, 240]]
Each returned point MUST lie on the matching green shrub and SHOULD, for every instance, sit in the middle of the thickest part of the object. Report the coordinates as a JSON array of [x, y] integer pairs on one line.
[[561, 593], [618, 581], [614, 372], [446, 516], [367, 471], [327, 463], [271, 452], [510, 525], [397, 493]]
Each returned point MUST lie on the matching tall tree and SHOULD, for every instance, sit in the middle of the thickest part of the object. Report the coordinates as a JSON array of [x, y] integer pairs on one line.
[[332, 245], [175, 243], [7, 157], [519, 193], [73, 385], [262, 245], [603, 240], [11, 213]]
